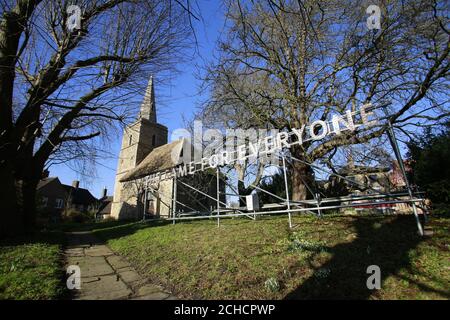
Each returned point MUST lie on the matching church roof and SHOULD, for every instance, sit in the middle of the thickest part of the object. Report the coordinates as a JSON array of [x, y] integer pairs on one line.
[[80, 196], [160, 159], [43, 182]]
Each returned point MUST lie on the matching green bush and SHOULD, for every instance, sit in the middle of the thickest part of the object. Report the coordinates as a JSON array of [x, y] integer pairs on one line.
[[73, 215], [428, 155], [109, 219], [272, 285]]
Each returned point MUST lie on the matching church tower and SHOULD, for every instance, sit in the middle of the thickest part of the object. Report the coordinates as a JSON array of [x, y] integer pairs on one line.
[[139, 139]]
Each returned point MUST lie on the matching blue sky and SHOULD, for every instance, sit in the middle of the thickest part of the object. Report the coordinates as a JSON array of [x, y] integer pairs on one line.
[[177, 99]]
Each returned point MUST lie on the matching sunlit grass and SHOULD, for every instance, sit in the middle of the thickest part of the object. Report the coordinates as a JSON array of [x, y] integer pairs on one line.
[[263, 259], [31, 268]]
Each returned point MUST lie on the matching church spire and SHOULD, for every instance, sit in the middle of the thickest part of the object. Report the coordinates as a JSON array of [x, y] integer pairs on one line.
[[148, 107]]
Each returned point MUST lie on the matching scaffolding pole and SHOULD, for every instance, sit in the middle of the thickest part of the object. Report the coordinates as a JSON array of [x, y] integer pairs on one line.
[[398, 155], [145, 204], [299, 210], [210, 197], [167, 205], [193, 198], [288, 201], [218, 197], [316, 196], [394, 143], [293, 206], [319, 202], [174, 204]]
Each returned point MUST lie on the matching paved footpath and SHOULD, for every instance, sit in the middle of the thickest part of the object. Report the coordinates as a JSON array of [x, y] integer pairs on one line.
[[105, 275]]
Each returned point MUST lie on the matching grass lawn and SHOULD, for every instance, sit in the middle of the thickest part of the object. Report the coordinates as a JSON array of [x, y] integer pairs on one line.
[[320, 258], [31, 268]]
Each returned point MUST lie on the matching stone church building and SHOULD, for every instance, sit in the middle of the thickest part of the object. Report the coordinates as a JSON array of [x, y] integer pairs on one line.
[[145, 151]]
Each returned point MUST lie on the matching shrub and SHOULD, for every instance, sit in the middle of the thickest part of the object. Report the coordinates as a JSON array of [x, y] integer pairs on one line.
[[73, 215], [305, 245], [272, 285], [108, 219]]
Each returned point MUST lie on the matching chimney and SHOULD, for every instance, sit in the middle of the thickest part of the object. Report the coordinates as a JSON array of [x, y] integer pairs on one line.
[[76, 184], [105, 192]]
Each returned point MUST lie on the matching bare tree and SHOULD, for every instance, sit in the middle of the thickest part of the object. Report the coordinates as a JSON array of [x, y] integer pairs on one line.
[[62, 85], [286, 63], [238, 122]]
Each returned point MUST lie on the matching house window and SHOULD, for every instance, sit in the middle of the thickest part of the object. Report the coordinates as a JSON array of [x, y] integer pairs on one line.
[[44, 202], [59, 203]]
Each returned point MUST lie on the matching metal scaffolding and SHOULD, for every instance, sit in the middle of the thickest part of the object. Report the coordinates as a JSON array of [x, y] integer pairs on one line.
[[288, 206]]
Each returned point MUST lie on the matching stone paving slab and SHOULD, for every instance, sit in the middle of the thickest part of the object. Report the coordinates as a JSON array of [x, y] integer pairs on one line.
[[129, 276], [117, 262], [106, 288], [154, 296], [148, 289], [98, 251], [91, 266], [105, 275], [75, 252]]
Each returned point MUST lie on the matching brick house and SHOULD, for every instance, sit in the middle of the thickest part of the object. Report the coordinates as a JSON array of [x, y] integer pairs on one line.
[[51, 196], [54, 198]]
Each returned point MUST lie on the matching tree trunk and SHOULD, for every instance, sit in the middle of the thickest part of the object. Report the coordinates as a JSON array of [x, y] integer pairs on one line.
[[18, 202], [11, 218], [29, 204], [301, 174], [243, 191]]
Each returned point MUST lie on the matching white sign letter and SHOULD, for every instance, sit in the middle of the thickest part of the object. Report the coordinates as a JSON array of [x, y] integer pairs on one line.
[[324, 129], [365, 116], [299, 134]]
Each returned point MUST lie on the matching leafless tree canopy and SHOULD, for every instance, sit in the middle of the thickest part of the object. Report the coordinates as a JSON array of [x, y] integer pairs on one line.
[[60, 88], [285, 63]]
